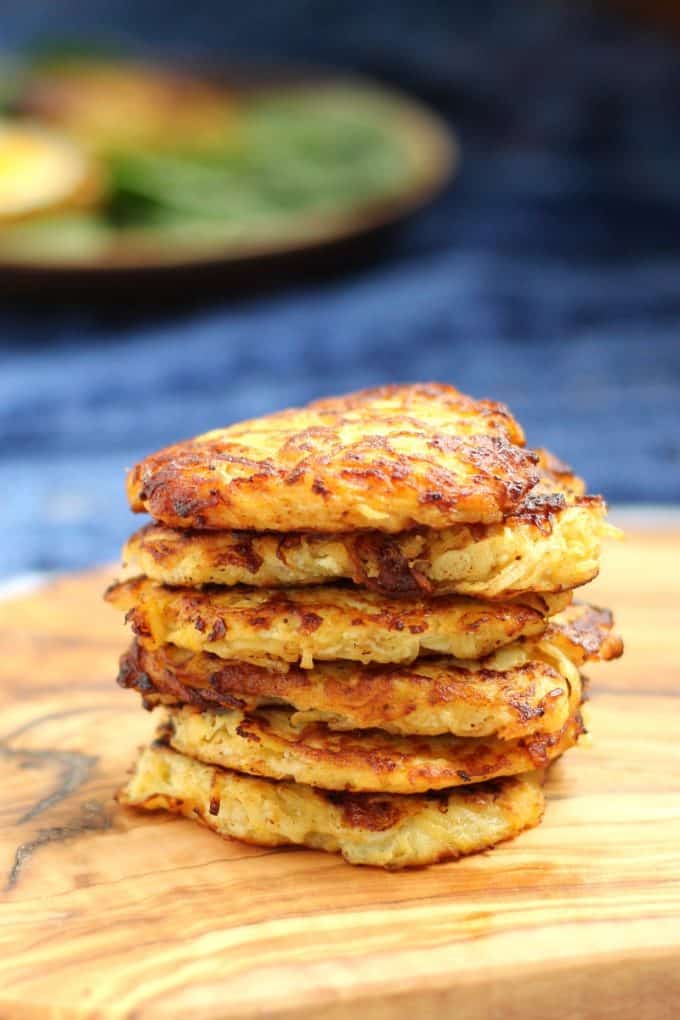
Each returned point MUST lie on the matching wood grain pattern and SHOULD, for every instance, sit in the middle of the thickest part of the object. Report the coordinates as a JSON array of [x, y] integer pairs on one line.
[[107, 912]]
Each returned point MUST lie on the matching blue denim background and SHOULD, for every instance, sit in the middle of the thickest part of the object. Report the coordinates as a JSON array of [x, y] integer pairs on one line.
[[547, 276]]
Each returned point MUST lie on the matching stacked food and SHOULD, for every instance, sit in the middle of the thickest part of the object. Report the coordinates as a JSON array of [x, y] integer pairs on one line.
[[357, 620]]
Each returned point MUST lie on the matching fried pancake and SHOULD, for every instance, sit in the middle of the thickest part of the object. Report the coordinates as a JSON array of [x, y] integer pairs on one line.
[[381, 830], [521, 689], [389, 458], [551, 543], [512, 693], [269, 743], [261, 626]]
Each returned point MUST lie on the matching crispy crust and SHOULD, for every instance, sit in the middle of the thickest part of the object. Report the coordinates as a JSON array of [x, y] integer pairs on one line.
[[388, 459], [269, 743], [302, 625], [522, 689], [585, 632], [381, 830], [526, 553], [551, 543]]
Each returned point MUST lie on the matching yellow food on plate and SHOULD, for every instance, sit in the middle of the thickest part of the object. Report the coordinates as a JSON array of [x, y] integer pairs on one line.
[[43, 172], [387, 831], [303, 625], [118, 105], [388, 459]]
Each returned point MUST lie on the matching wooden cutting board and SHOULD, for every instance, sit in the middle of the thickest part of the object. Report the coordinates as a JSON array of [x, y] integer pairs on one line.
[[112, 913]]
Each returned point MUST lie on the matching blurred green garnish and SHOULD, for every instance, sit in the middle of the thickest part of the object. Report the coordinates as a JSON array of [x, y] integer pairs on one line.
[[190, 161]]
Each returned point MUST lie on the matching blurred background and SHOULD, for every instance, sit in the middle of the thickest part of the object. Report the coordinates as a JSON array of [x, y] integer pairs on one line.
[[546, 273]]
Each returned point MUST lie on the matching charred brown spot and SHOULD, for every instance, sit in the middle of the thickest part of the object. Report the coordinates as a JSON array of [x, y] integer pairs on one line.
[[294, 476], [287, 543], [380, 564], [539, 511], [586, 627], [244, 730], [161, 740], [138, 623], [258, 620], [239, 552], [365, 811], [589, 632], [185, 507], [309, 622], [446, 444], [527, 711], [260, 467], [218, 630], [143, 683]]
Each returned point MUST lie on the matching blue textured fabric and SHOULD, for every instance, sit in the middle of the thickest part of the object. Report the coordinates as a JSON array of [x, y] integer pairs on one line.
[[547, 276]]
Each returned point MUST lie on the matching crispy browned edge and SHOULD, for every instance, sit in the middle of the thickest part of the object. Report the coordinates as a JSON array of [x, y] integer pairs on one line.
[[209, 683], [198, 607], [477, 758], [378, 560], [586, 632]]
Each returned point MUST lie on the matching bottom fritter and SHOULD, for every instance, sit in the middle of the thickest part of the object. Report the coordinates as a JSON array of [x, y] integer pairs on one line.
[[388, 831]]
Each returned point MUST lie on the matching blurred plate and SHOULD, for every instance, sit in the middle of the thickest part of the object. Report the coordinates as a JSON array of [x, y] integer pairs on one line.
[[427, 147]]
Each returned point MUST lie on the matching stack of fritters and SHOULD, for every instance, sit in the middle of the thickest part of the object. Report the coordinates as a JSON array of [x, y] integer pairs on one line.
[[357, 619]]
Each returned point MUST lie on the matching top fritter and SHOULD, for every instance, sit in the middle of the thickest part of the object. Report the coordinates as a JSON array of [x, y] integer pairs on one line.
[[387, 459]]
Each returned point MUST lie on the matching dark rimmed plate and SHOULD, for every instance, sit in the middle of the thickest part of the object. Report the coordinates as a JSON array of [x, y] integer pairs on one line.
[[320, 240]]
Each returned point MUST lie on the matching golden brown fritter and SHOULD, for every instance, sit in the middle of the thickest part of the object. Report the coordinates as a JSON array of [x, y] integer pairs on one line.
[[269, 743], [383, 830], [551, 543], [521, 689], [387, 459], [261, 626]]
